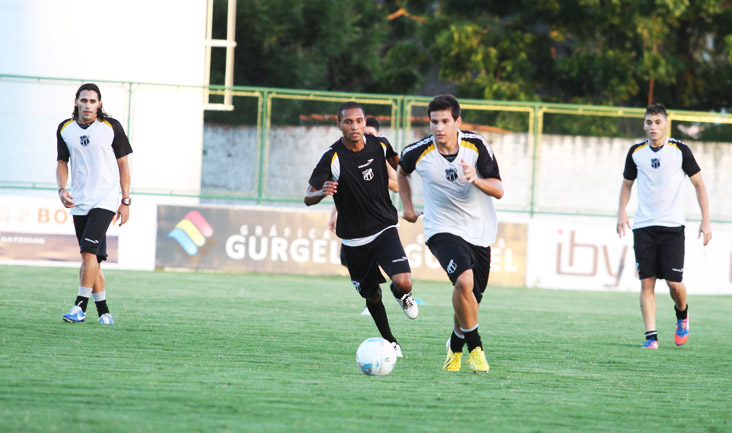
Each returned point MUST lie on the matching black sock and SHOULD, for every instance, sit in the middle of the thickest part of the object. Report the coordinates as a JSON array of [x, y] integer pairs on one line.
[[397, 294], [472, 338], [681, 315], [378, 313], [652, 335], [82, 302], [456, 343], [102, 307]]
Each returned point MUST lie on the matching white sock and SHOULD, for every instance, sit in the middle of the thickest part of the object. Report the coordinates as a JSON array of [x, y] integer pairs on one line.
[[100, 296], [471, 329], [85, 291], [458, 333]]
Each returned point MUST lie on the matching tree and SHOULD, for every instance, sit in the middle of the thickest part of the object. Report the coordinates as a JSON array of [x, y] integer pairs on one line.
[[606, 52]]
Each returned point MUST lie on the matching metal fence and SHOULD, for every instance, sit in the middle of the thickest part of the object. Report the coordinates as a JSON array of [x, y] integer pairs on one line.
[[554, 158]]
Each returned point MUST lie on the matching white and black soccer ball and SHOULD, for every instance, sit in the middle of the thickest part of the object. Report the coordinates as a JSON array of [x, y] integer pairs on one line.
[[376, 357]]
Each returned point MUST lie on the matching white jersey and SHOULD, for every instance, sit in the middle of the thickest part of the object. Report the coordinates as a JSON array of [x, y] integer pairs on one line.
[[93, 152], [451, 205], [660, 173]]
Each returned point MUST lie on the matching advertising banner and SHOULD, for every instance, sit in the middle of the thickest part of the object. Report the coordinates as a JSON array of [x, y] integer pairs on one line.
[[572, 253], [41, 229], [240, 239]]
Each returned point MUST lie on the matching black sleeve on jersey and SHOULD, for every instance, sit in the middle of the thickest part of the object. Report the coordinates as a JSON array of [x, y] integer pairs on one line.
[[62, 150], [631, 170], [688, 163], [487, 165], [120, 144], [389, 149], [406, 161], [322, 172]]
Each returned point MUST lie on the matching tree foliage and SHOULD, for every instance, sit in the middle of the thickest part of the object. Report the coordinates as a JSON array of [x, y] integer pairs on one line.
[[607, 52]]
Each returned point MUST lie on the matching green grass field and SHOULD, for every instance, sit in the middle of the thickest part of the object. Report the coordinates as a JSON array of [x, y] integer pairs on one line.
[[204, 352]]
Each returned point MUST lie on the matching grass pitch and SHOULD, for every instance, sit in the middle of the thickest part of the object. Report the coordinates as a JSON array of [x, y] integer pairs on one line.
[[203, 352]]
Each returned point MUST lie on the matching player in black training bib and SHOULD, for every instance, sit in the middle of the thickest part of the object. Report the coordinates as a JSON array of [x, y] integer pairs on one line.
[[353, 171]]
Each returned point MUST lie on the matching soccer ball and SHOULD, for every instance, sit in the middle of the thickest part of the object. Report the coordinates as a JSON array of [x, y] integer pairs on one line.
[[376, 357]]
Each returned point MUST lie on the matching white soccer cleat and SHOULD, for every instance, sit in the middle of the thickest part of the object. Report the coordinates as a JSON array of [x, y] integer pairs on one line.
[[106, 319], [408, 305], [398, 350]]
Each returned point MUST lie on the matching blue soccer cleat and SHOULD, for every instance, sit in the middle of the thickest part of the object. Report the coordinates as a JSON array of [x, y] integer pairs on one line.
[[650, 344], [682, 331], [106, 319], [75, 315]]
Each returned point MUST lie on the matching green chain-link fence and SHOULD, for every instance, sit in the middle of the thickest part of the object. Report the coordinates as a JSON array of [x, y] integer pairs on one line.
[[554, 158]]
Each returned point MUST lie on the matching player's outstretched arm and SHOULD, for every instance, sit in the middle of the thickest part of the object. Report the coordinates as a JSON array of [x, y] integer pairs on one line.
[[623, 220], [123, 211], [405, 194], [314, 196], [62, 176], [705, 228]]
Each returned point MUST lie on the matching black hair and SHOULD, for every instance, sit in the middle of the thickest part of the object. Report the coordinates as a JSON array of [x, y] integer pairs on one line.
[[349, 106], [372, 122], [101, 115], [656, 109], [444, 102]]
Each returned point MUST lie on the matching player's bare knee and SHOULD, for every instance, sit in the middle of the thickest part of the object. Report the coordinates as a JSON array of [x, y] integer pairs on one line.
[[402, 282], [464, 283], [675, 287], [89, 258]]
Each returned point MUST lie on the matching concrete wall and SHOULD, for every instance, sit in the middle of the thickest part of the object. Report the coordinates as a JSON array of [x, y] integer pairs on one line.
[[573, 173]]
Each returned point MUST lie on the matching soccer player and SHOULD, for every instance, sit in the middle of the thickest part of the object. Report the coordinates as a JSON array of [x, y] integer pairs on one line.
[[460, 179], [372, 128], [353, 171], [97, 147], [661, 164]]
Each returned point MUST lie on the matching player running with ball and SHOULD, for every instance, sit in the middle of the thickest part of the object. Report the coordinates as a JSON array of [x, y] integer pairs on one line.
[[353, 171], [460, 180]]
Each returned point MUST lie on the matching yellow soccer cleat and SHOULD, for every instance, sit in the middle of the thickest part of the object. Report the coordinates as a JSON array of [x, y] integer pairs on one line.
[[453, 361], [478, 364]]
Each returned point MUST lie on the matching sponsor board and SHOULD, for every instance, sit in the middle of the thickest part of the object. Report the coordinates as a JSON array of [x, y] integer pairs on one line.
[[575, 253], [44, 246], [298, 241], [41, 229]]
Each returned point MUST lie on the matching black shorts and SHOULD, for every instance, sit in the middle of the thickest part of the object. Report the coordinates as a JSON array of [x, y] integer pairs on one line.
[[364, 261], [659, 252], [91, 232], [456, 256]]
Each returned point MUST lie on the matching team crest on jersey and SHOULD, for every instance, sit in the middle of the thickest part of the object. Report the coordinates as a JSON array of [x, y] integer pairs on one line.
[[655, 162], [368, 174], [451, 174], [84, 140]]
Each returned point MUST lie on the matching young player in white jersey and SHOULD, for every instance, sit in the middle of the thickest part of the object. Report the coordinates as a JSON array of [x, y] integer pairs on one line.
[[661, 164], [353, 171], [97, 148], [460, 180]]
